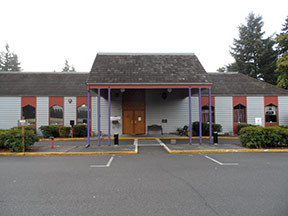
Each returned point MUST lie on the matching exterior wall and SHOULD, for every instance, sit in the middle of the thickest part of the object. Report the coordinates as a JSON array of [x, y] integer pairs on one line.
[[116, 110], [42, 112], [283, 110], [255, 109], [70, 110], [175, 109], [224, 113], [10, 112]]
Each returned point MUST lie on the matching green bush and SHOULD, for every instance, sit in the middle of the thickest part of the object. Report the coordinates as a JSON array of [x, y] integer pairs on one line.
[[31, 128], [260, 137], [64, 131], [80, 131], [240, 126], [205, 128], [12, 139], [50, 131]]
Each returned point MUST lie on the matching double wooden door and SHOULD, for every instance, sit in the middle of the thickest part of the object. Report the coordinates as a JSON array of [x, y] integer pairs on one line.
[[133, 106]]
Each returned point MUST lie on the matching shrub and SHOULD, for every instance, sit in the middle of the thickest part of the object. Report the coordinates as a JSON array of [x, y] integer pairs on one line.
[[31, 128], [240, 126], [80, 131], [12, 139], [259, 137], [64, 131], [205, 128], [49, 131]]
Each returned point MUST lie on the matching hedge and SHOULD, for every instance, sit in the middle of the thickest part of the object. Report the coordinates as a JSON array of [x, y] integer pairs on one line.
[[64, 131], [260, 137], [12, 139], [205, 128], [50, 131], [240, 126], [80, 131]]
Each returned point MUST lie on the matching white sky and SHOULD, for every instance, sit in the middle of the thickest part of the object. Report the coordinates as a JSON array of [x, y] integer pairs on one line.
[[45, 33]]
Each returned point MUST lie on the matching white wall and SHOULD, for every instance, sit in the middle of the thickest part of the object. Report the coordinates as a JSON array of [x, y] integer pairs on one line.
[[10, 112], [224, 113], [42, 112], [255, 109], [69, 110], [283, 110]]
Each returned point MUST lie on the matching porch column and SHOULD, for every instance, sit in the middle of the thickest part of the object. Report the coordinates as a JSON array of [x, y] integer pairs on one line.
[[200, 117], [190, 118], [109, 114], [98, 103], [88, 117], [210, 117]]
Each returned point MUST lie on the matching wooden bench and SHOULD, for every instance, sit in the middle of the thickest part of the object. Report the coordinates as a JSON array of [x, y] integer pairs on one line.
[[154, 128]]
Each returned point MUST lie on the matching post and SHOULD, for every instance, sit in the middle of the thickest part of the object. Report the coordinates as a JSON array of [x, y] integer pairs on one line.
[[23, 136], [88, 117], [109, 114], [200, 117], [99, 92], [210, 117], [190, 118]]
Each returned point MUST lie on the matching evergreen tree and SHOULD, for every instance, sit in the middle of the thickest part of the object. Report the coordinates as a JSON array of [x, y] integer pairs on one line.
[[9, 60], [253, 54], [282, 62], [67, 67]]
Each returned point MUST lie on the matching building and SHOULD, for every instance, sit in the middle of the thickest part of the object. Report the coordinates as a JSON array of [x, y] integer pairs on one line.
[[138, 91]]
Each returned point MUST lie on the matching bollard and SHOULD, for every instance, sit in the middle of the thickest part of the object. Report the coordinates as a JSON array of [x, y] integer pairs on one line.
[[52, 142], [215, 137], [116, 139]]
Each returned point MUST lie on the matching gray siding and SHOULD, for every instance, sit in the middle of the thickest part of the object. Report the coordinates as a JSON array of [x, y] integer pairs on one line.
[[42, 112], [223, 113], [174, 108], [10, 111], [69, 110], [255, 109], [283, 110], [116, 110]]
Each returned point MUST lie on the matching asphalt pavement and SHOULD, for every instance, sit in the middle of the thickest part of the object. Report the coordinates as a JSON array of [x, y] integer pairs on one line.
[[152, 182]]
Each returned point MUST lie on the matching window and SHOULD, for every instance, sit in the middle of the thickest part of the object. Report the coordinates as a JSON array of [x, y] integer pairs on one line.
[[28, 112], [205, 114], [56, 115], [271, 113], [240, 114], [82, 113]]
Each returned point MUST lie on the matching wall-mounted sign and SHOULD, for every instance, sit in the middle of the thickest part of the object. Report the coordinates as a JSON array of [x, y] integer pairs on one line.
[[258, 121]]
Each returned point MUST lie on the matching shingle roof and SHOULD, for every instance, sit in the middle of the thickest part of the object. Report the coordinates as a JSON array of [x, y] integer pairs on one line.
[[147, 69], [229, 84], [43, 84]]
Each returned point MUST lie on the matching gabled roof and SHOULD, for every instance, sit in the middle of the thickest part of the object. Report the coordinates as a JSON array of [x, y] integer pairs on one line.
[[233, 84], [43, 84], [147, 69]]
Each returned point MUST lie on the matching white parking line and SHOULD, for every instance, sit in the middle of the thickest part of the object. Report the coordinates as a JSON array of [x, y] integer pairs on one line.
[[105, 166], [163, 145], [136, 145], [218, 162]]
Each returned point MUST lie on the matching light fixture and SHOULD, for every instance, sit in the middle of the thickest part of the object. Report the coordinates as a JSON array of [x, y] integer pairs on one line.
[[122, 90], [169, 90]]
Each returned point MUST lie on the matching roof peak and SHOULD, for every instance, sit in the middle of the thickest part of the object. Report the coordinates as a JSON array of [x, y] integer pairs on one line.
[[137, 54]]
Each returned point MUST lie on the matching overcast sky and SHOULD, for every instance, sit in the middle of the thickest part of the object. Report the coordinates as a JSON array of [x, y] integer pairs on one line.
[[45, 33]]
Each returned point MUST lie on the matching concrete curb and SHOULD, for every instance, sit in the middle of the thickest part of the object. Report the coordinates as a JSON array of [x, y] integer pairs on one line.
[[140, 138], [64, 153], [226, 151]]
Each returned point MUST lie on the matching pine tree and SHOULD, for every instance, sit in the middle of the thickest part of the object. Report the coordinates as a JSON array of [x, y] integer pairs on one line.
[[67, 67], [253, 54], [282, 62], [9, 60]]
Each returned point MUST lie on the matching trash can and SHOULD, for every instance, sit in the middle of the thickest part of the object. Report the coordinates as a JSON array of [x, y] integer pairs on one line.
[[116, 139], [215, 136]]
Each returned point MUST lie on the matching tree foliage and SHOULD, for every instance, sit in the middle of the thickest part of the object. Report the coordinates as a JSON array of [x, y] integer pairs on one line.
[[282, 62], [254, 54], [67, 67], [9, 60]]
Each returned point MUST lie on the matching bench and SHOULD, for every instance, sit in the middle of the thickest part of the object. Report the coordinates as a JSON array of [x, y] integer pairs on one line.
[[154, 128]]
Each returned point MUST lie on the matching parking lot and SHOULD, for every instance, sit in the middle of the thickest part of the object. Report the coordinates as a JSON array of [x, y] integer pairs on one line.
[[152, 182]]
